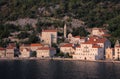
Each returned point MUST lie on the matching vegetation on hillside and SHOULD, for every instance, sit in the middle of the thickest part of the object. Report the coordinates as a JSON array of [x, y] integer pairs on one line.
[[95, 13]]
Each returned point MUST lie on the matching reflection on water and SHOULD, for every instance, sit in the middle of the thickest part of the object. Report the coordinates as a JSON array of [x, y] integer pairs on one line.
[[55, 69]]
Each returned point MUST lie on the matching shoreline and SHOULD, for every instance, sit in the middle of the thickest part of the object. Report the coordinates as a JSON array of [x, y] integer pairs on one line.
[[61, 59]]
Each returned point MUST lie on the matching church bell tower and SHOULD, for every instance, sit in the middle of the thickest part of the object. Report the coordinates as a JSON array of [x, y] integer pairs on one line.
[[65, 31]]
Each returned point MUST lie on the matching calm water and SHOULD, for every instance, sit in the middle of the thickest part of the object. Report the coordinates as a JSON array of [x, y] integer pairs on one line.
[[48, 69]]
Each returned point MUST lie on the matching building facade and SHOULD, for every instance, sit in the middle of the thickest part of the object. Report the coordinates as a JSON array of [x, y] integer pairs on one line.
[[75, 39], [109, 53], [117, 50], [49, 36], [100, 32], [45, 52], [35, 46], [67, 48], [24, 53], [117, 53], [10, 52], [89, 52], [2, 52], [92, 49]]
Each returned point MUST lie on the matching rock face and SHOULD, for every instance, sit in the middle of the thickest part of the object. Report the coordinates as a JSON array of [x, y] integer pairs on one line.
[[77, 23], [23, 22]]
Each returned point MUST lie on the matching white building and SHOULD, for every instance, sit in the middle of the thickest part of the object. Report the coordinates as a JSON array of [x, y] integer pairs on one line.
[[103, 42], [49, 36], [117, 53], [45, 52], [117, 50], [67, 48], [2, 52], [100, 32], [35, 46], [25, 46], [10, 52], [92, 49], [25, 52], [109, 53], [89, 52]]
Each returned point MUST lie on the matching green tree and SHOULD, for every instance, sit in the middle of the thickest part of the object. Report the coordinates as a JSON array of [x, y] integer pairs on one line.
[[79, 31]]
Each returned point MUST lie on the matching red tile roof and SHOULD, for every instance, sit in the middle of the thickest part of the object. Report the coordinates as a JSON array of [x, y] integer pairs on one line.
[[95, 40], [96, 46], [106, 35], [117, 46], [36, 44], [49, 31], [67, 45], [46, 48], [102, 40], [1, 48]]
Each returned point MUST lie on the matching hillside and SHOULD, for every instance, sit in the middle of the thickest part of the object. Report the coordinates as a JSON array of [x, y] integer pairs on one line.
[[94, 13]]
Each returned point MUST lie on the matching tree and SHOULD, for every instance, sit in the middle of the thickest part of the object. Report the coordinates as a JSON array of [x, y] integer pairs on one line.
[[23, 35], [33, 53], [79, 31], [33, 39]]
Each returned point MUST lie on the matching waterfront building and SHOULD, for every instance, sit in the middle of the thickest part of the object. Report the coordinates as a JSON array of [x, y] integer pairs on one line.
[[25, 46], [109, 53], [92, 49], [103, 42], [49, 36], [2, 52], [35, 46], [10, 52], [89, 52], [24, 52], [45, 52], [67, 48], [117, 50]]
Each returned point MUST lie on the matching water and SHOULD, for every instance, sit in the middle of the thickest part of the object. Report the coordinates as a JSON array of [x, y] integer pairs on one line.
[[56, 69]]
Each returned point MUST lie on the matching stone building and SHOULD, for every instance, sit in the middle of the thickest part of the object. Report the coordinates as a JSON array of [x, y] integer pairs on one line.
[[49, 36], [67, 48], [25, 52], [75, 39], [89, 51], [10, 52], [2, 52], [92, 49], [109, 53], [45, 52], [35, 46], [100, 32], [117, 50]]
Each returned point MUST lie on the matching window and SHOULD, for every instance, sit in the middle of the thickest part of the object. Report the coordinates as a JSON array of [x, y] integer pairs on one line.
[[117, 49], [118, 52]]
